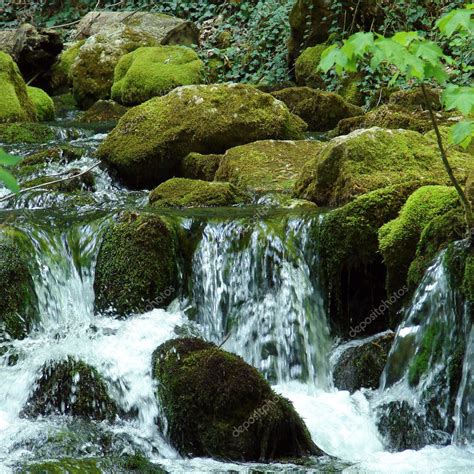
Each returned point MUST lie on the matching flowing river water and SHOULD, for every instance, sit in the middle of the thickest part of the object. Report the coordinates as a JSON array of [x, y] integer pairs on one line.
[[252, 284]]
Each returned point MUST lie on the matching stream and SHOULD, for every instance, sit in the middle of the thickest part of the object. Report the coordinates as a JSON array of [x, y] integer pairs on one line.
[[252, 285]]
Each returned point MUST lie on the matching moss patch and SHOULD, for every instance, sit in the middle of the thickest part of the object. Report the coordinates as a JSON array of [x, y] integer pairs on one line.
[[398, 238], [198, 166], [25, 133], [71, 388], [60, 74], [154, 71], [207, 394], [136, 265], [43, 103], [320, 110], [267, 165], [414, 99], [15, 104], [306, 67], [366, 160], [147, 146], [18, 305], [103, 111], [182, 192]]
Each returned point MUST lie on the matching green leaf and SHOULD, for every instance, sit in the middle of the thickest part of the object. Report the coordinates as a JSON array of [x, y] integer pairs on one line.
[[328, 58], [405, 37], [9, 181], [436, 72], [428, 51], [8, 160], [361, 43], [460, 98], [456, 20], [462, 133]]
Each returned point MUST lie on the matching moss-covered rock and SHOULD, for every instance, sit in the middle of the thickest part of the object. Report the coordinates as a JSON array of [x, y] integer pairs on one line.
[[306, 67], [15, 104], [154, 71], [414, 99], [70, 387], [398, 238], [183, 192], [13, 133], [217, 405], [58, 154], [147, 146], [60, 73], [320, 110], [136, 265], [43, 103], [103, 111], [18, 304], [361, 366], [267, 165], [199, 166], [445, 131], [76, 181], [366, 160], [350, 264]]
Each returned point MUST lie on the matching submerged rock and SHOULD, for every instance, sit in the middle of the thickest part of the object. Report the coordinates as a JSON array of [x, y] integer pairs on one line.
[[70, 387], [398, 238], [43, 103], [154, 71], [362, 365], [150, 141], [199, 166], [15, 104], [76, 182], [267, 165], [18, 304], [229, 411], [182, 192], [366, 160], [13, 133], [136, 266], [109, 36], [320, 110], [103, 111]]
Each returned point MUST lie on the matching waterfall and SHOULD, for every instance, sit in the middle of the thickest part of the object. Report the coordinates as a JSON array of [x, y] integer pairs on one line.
[[252, 285]]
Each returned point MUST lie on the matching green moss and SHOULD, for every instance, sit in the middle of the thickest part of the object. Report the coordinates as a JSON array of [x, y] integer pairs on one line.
[[43, 103], [70, 387], [85, 182], [207, 394], [445, 132], [320, 110], [65, 465], [414, 99], [103, 111], [468, 278], [439, 232], [350, 90], [267, 165], [182, 192], [15, 105], [198, 166], [136, 265], [25, 133], [154, 71], [18, 305], [398, 238], [366, 160], [306, 67], [147, 146], [60, 74], [350, 263]]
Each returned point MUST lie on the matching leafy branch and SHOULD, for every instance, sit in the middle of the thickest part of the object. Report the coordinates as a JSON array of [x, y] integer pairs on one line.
[[7, 178]]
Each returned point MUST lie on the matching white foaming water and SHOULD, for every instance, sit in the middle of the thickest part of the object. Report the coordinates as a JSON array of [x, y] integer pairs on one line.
[[252, 282]]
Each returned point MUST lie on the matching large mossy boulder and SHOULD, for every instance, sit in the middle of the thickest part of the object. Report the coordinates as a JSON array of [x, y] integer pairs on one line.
[[306, 67], [73, 388], [18, 304], [43, 103], [217, 405], [136, 265], [150, 141], [321, 110], [370, 159], [15, 104], [109, 36], [154, 71], [361, 366], [350, 264], [398, 238], [184, 193], [266, 166]]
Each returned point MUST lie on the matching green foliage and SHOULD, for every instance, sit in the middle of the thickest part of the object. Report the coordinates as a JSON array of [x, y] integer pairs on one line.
[[8, 180]]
